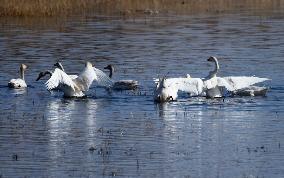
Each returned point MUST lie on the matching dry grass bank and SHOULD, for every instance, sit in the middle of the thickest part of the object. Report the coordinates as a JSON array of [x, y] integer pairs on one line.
[[130, 7]]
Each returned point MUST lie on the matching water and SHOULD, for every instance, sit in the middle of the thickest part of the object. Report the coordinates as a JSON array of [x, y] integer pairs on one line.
[[126, 133]]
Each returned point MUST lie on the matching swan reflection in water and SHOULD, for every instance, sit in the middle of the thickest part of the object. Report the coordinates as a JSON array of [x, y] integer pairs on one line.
[[71, 130], [202, 129], [183, 131]]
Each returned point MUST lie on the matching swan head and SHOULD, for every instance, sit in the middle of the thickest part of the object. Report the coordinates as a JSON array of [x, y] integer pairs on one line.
[[42, 74], [23, 67], [212, 59], [88, 64], [161, 83], [59, 65], [109, 67]]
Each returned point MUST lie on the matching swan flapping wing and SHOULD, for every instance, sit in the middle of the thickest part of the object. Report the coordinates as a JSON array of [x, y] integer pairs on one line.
[[59, 78], [194, 86], [236, 83], [103, 79]]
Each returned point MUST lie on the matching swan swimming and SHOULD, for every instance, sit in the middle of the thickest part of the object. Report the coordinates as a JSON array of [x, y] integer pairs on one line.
[[19, 82], [76, 87], [220, 86], [121, 84], [210, 86]]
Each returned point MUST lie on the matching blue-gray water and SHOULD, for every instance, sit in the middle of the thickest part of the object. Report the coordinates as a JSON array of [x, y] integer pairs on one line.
[[45, 135]]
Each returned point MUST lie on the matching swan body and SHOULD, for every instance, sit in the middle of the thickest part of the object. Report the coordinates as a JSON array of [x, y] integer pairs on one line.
[[122, 84], [19, 82], [76, 87]]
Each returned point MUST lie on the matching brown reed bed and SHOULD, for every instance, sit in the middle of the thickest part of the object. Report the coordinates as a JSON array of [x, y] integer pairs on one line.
[[130, 7]]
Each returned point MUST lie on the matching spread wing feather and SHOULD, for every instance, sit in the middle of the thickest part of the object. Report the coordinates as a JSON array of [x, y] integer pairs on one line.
[[236, 83], [194, 86], [59, 78], [103, 79]]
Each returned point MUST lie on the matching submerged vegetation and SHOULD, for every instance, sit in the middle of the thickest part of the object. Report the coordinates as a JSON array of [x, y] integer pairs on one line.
[[129, 7]]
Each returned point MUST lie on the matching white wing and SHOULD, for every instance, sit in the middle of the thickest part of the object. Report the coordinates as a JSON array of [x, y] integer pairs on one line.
[[210, 83], [194, 86], [236, 83], [59, 78], [103, 79], [73, 76]]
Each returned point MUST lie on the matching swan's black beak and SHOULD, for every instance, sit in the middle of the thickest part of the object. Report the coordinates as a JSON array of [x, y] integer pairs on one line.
[[38, 78]]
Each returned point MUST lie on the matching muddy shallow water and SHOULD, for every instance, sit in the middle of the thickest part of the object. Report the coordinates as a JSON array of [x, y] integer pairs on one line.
[[126, 133]]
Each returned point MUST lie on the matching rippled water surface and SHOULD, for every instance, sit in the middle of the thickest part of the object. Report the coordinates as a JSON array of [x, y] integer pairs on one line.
[[126, 133]]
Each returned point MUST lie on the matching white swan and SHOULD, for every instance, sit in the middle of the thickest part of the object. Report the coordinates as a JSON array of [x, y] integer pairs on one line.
[[211, 86], [167, 88], [122, 84], [219, 86], [76, 87], [19, 82], [165, 92]]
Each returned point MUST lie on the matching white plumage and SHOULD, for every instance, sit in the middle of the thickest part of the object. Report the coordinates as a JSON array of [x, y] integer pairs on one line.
[[76, 87], [60, 66], [165, 91], [237, 83], [211, 86], [220, 86]]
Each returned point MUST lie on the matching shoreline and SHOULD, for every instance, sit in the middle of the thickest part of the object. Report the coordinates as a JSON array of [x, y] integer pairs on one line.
[[45, 8]]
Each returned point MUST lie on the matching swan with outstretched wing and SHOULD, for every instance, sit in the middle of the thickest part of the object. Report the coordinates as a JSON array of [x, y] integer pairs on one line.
[[210, 86], [219, 86], [76, 86]]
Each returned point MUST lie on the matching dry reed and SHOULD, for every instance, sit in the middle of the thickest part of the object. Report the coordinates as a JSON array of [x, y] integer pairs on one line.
[[124, 7]]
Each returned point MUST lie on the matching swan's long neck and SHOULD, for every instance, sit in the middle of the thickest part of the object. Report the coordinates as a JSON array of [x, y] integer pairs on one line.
[[215, 71], [111, 70], [22, 75], [48, 73], [61, 67]]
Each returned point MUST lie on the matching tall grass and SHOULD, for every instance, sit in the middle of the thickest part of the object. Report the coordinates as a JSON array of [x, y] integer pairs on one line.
[[68, 7]]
